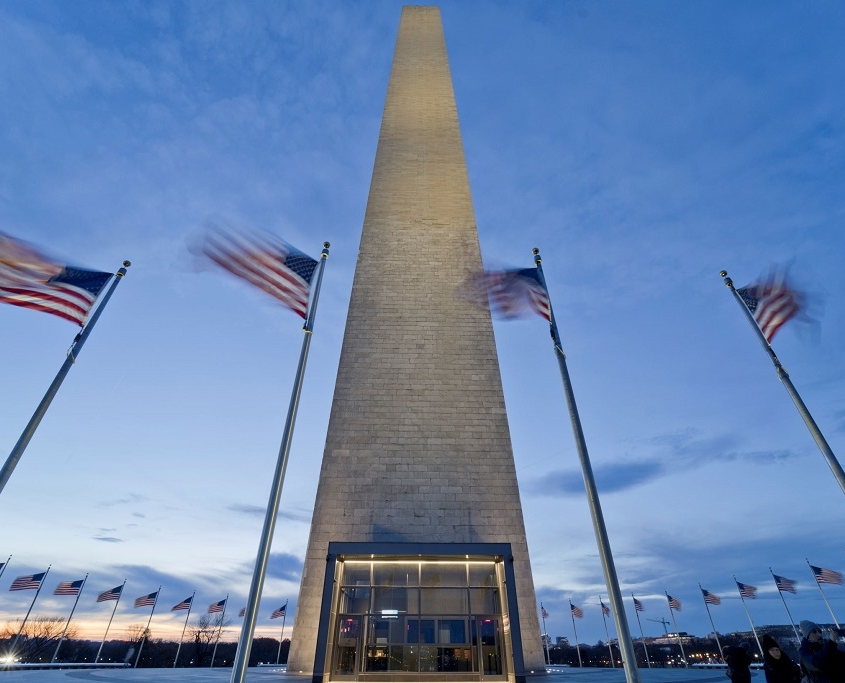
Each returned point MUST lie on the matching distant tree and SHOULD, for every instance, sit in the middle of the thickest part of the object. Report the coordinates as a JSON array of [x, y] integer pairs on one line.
[[204, 632], [38, 639]]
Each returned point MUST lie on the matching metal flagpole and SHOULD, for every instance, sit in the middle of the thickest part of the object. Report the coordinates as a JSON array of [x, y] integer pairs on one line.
[[626, 645], [219, 631], [577, 649], [607, 633], [675, 624], [791, 620], [108, 626], [4, 565], [31, 605], [748, 614], [783, 375], [642, 635], [73, 609], [256, 586], [543, 614], [715, 632], [829, 608], [147, 630], [38, 415], [182, 637], [282, 635]]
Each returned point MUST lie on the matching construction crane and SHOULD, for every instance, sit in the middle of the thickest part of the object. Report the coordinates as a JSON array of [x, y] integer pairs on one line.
[[663, 621]]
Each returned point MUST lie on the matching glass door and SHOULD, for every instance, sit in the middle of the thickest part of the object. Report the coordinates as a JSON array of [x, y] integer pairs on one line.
[[489, 643], [348, 645]]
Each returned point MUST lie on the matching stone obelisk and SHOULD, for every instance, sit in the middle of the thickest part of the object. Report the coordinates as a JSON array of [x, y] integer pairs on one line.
[[418, 447]]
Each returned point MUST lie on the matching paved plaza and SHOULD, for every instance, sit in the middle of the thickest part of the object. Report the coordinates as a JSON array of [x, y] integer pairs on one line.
[[274, 675]]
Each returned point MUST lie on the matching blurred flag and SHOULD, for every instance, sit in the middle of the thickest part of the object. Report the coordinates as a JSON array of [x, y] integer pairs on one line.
[[266, 261], [711, 598], [217, 606], [544, 612], [638, 606], [508, 293], [112, 594], [29, 582], [69, 587], [785, 585], [605, 610], [185, 604], [745, 590], [30, 279], [242, 612], [826, 575], [771, 301], [674, 603], [280, 612], [146, 600], [576, 611]]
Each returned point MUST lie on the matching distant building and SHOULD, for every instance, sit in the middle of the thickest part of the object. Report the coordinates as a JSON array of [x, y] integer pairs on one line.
[[562, 641]]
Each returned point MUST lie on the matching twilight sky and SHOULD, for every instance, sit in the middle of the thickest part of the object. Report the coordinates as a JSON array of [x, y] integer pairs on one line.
[[642, 148]]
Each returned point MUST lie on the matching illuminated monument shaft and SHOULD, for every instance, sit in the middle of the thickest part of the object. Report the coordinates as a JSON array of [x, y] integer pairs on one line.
[[417, 524]]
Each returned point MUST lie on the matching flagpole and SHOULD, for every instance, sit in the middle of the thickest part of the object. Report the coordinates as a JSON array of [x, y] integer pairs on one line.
[[626, 645], [146, 630], [829, 608], [677, 632], [37, 416], [545, 634], [607, 634], [791, 620], [108, 626], [5, 564], [73, 609], [260, 570], [832, 462], [31, 605], [182, 637], [748, 614], [219, 631], [282, 635], [577, 649], [715, 632], [642, 635]]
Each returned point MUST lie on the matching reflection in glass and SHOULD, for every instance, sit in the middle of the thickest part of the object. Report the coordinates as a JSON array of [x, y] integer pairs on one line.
[[391, 574]]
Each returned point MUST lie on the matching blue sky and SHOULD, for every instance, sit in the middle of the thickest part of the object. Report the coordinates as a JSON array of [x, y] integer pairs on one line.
[[642, 148]]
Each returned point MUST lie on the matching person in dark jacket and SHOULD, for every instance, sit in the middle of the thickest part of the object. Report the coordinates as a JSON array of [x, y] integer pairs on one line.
[[739, 663], [777, 665], [821, 660]]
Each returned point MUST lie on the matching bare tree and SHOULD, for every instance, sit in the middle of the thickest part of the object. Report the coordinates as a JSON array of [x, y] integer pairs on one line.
[[204, 632], [38, 638]]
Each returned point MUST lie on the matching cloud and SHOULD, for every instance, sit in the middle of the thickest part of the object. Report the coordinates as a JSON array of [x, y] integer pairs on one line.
[[107, 539], [257, 511], [131, 498]]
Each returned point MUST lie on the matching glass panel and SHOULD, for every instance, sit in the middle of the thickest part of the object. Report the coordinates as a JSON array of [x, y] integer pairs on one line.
[[354, 600], [482, 575], [403, 600], [491, 656], [377, 658], [396, 574], [428, 659], [348, 631], [484, 601], [443, 575], [452, 631], [444, 601], [427, 631], [455, 658], [355, 574], [404, 658]]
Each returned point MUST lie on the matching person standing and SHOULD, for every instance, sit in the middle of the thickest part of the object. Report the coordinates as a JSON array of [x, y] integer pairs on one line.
[[739, 663], [777, 665], [821, 660]]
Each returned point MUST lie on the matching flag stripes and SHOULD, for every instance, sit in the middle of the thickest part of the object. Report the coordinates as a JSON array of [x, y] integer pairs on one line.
[[28, 582], [710, 598], [69, 587]]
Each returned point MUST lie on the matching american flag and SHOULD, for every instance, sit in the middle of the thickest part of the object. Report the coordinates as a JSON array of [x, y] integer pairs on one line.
[[283, 610], [185, 604], [638, 606], [31, 581], [826, 575], [69, 587], [266, 261], [771, 302], [785, 585], [543, 612], [745, 590], [674, 603], [217, 606], [605, 610], [576, 611], [509, 293], [146, 600], [711, 598], [242, 612], [30, 279], [112, 594]]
